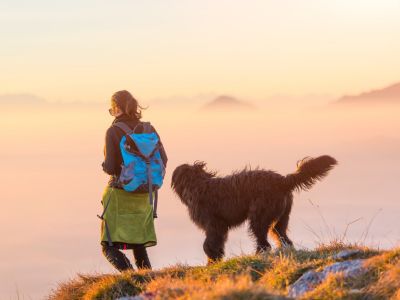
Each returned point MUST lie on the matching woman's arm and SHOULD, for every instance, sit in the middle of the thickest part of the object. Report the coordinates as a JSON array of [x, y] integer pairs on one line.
[[163, 153], [111, 153]]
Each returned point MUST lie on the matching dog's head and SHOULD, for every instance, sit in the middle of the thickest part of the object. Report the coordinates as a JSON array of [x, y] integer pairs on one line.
[[189, 176]]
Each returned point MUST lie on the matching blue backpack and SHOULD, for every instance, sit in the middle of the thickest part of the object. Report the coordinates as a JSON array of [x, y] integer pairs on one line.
[[142, 167]]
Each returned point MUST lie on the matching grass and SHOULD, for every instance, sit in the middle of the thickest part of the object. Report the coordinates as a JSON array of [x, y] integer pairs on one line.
[[265, 276]]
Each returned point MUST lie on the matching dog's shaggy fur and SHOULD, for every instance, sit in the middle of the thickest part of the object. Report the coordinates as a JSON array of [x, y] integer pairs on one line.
[[262, 197]]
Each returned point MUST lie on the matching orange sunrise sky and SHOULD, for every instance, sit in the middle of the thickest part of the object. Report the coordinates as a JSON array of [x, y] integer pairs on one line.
[[82, 50]]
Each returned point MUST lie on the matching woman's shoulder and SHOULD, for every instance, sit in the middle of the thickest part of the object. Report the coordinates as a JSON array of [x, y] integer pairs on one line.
[[145, 126], [131, 123], [134, 124], [111, 133]]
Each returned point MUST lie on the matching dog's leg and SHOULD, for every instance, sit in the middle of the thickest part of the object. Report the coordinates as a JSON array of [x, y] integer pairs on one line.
[[260, 222], [279, 231], [214, 244]]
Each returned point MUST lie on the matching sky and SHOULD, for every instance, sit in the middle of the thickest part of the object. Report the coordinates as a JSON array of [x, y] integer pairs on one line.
[[85, 50]]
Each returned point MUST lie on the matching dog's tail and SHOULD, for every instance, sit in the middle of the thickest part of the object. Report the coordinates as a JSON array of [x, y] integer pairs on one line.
[[309, 171]]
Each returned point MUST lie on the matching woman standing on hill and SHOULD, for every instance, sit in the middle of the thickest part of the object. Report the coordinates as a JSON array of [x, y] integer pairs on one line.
[[128, 221]]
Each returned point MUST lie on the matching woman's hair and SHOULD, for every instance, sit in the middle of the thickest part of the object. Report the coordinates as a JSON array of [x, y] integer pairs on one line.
[[128, 104]]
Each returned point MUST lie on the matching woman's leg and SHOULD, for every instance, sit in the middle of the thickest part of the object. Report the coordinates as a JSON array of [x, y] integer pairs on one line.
[[116, 258], [141, 258]]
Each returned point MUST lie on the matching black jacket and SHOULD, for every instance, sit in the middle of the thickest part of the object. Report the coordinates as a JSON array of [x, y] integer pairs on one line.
[[112, 153]]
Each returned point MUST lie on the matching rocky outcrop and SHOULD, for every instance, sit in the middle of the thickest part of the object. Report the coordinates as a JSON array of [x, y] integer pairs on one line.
[[144, 296], [311, 279], [346, 254]]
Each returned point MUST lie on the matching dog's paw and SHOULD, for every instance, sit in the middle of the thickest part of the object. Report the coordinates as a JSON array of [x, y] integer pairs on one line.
[[211, 261]]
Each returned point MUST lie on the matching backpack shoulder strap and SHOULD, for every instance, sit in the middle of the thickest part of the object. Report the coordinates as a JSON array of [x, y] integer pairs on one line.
[[124, 127], [147, 128]]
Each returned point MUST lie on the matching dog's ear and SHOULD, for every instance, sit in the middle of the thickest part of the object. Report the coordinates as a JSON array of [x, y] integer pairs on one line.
[[201, 167]]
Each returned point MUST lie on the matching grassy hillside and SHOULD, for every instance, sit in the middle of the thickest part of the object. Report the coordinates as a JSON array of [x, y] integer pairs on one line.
[[267, 276]]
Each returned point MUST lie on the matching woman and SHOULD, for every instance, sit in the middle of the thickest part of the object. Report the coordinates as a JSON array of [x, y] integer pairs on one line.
[[128, 216]]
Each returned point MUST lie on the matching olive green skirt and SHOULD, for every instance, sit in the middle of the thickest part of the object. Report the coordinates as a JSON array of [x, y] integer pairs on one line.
[[129, 218]]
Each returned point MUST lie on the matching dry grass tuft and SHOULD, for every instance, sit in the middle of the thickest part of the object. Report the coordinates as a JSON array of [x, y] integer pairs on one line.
[[384, 278], [74, 289], [113, 287], [284, 270]]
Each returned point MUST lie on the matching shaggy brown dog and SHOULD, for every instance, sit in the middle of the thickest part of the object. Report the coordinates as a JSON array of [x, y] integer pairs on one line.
[[264, 197]]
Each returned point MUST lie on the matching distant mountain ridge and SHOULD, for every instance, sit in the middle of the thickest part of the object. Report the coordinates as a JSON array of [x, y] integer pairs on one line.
[[21, 99], [227, 102], [387, 94]]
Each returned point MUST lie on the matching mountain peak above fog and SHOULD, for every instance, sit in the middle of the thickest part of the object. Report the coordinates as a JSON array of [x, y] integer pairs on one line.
[[227, 102], [387, 94]]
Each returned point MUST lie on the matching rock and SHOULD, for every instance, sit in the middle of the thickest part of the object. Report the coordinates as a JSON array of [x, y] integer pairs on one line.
[[350, 268], [144, 296], [305, 283], [355, 292], [344, 254], [311, 279]]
